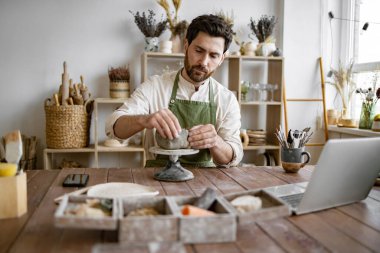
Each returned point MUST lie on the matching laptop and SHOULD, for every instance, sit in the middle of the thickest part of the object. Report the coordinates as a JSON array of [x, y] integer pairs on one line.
[[345, 173]]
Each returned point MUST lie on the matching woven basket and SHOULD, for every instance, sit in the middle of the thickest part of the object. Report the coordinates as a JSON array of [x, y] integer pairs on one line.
[[68, 126]]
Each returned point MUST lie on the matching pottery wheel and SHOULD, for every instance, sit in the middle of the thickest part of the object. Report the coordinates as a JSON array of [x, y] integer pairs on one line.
[[173, 170]]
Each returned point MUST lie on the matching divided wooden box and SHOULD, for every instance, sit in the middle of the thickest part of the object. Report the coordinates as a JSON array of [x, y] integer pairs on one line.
[[271, 207], [69, 221], [218, 228], [163, 227], [171, 225], [13, 201]]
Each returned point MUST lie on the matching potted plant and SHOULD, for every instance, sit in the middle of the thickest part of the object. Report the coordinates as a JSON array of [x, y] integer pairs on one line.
[[369, 97], [263, 29], [150, 28], [177, 28], [119, 82]]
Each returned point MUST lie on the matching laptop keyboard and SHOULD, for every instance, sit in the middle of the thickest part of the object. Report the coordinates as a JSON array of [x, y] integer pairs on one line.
[[293, 200]]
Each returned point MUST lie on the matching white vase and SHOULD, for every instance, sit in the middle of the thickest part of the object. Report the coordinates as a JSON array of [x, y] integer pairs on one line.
[[266, 49], [151, 44], [166, 46]]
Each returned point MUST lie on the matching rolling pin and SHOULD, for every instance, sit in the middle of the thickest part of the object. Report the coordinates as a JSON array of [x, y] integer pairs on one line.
[[65, 84], [84, 90]]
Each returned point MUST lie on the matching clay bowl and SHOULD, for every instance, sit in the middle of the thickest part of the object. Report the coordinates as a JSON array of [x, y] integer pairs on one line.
[[178, 143]]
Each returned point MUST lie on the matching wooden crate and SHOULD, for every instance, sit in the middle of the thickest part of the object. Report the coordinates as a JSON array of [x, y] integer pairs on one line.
[[218, 228], [13, 199], [271, 207], [70, 221], [158, 228]]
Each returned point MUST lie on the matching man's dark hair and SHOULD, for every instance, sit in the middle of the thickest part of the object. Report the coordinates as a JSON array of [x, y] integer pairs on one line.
[[213, 25]]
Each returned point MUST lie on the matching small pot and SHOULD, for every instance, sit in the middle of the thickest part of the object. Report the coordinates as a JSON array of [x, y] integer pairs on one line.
[[119, 89]]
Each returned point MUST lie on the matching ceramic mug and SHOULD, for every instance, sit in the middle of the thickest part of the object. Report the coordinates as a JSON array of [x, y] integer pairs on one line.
[[292, 159]]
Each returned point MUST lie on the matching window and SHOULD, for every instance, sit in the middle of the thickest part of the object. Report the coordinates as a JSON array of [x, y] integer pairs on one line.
[[366, 47]]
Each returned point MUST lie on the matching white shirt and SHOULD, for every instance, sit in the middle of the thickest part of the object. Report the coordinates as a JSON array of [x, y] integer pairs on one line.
[[154, 94]]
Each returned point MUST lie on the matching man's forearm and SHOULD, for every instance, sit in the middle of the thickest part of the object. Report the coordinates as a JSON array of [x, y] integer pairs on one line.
[[126, 126], [222, 152]]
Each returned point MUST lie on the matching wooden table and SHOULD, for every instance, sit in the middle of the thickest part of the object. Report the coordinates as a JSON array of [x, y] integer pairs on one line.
[[351, 228]]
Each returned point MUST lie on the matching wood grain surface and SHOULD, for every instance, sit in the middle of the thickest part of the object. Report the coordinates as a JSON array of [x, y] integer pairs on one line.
[[350, 228]]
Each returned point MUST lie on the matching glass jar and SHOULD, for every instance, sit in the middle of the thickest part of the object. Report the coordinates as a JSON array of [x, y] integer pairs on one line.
[[367, 114]]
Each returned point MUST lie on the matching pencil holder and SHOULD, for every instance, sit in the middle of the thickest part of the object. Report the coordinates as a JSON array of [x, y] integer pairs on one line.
[[13, 203]]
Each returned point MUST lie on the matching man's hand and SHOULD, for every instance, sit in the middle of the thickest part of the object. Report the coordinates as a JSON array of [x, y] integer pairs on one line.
[[203, 136], [165, 122]]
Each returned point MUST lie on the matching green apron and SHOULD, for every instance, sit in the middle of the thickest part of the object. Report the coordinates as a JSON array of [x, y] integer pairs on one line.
[[189, 114]]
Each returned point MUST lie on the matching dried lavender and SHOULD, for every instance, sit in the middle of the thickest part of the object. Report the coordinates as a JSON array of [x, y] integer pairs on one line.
[[263, 28], [148, 24], [118, 74]]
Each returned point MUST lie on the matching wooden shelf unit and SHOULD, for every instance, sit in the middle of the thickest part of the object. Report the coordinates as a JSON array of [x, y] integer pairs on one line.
[[97, 147], [235, 66]]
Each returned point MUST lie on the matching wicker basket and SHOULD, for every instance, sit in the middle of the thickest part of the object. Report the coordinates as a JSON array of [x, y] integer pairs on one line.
[[68, 126]]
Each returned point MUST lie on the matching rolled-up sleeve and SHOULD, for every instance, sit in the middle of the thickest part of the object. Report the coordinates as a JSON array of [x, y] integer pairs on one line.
[[137, 104], [228, 127]]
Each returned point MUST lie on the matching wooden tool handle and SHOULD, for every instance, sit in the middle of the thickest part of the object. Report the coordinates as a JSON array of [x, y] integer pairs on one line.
[[56, 99], [65, 84], [82, 82], [77, 91], [64, 68], [74, 193]]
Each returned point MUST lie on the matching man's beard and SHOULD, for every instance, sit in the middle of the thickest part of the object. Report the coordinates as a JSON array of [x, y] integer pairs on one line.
[[197, 73]]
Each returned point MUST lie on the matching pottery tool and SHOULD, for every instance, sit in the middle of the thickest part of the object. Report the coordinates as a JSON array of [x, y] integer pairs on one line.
[[74, 193], [71, 88], [13, 147], [56, 99], [78, 99], [296, 138], [206, 199], [2, 150], [65, 84], [189, 210], [290, 139]]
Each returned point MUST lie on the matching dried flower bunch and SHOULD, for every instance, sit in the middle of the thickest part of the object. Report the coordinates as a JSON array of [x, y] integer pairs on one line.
[[176, 27], [263, 27], [148, 24], [118, 74], [369, 95], [343, 83]]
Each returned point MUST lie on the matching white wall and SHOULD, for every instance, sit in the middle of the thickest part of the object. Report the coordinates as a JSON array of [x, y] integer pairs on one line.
[[91, 35], [307, 36]]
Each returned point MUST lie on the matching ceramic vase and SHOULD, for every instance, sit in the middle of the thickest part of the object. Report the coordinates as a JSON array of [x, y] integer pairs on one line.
[[250, 48], [177, 44], [166, 46], [151, 44], [266, 49]]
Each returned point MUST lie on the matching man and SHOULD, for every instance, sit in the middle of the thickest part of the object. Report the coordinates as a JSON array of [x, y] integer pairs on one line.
[[189, 99]]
